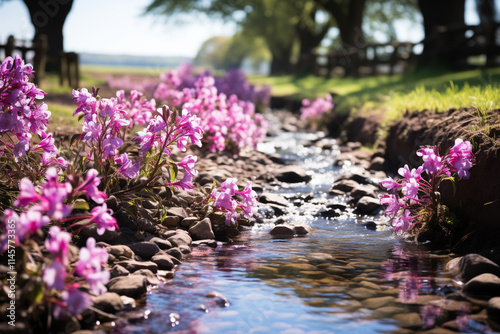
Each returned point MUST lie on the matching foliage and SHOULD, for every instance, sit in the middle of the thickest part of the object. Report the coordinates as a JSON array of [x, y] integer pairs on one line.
[[317, 108], [414, 204], [56, 200]]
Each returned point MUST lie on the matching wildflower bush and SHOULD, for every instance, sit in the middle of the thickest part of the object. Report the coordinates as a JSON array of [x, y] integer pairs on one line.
[[414, 202], [226, 106], [49, 196], [316, 109]]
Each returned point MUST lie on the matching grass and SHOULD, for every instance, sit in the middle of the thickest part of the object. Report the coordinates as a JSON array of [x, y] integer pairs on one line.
[[418, 90]]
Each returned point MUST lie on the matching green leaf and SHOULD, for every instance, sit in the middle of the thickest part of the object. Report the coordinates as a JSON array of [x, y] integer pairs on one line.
[[74, 139], [81, 204], [174, 170]]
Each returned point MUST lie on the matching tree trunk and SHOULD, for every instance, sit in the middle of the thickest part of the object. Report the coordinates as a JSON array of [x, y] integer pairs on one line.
[[349, 18], [280, 64], [48, 17], [444, 23], [309, 38]]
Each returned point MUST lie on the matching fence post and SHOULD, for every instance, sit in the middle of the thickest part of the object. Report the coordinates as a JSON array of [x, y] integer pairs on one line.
[[40, 45], [10, 46]]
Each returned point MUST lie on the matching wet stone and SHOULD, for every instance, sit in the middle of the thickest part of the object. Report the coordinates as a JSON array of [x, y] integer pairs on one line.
[[362, 293], [120, 252], [283, 231], [206, 242], [163, 261], [162, 243], [375, 303], [151, 278], [494, 309], [132, 286], [270, 198], [295, 268], [409, 320], [133, 265], [180, 238], [177, 212], [345, 185], [377, 163], [483, 286], [293, 174], [370, 285], [364, 190], [388, 311], [118, 270], [145, 249], [189, 221], [108, 302], [171, 221], [175, 252], [316, 274], [472, 265], [367, 205], [202, 230], [302, 229]]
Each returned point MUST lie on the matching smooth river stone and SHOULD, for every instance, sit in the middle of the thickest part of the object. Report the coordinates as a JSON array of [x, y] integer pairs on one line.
[[370, 285], [409, 320], [375, 303], [362, 293], [334, 270], [316, 274], [132, 286], [484, 286], [266, 271], [295, 268], [388, 310]]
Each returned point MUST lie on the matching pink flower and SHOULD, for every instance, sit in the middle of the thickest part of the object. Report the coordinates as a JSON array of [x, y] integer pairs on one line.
[[414, 173], [390, 184], [249, 199], [57, 243], [188, 163], [111, 145], [27, 193], [54, 194], [89, 187], [75, 302], [90, 264], [392, 202], [403, 222], [229, 186], [461, 158], [31, 221], [101, 215], [433, 163], [55, 275], [128, 168], [410, 188]]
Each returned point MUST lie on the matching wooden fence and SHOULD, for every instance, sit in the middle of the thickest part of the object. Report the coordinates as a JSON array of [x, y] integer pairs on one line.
[[69, 62], [396, 57]]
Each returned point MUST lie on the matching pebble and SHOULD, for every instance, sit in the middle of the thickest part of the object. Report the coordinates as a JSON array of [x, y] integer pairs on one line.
[[409, 320], [202, 230], [375, 303], [163, 261], [133, 265], [292, 174], [362, 293], [294, 269], [145, 249], [108, 302], [132, 286], [283, 231], [483, 286]]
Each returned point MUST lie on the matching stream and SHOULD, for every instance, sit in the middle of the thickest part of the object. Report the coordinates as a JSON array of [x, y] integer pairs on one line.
[[360, 282]]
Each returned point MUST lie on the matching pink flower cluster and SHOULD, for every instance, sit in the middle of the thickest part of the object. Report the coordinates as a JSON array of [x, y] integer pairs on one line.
[[21, 116], [225, 202], [316, 108], [48, 202], [229, 123], [89, 266], [138, 110], [412, 194]]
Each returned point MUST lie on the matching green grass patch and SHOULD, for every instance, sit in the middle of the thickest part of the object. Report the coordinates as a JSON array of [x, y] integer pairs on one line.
[[62, 115]]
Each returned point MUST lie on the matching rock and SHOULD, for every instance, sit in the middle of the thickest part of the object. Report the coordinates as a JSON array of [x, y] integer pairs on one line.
[[364, 190], [121, 252], [175, 252], [370, 225], [151, 278], [207, 242], [283, 231], [185, 249], [377, 163], [409, 320], [202, 230], [189, 221], [294, 269], [109, 237], [345, 185], [108, 302], [118, 270], [483, 286], [362, 293], [132, 286], [472, 265], [386, 311], [177, 212], [162, 243], [163, 261], [145, 249], [494, 310], [302, 229], [181, 237], [171, 221], [219, 298], [133, 265], [273, 199], [367, 205], [293, 174]]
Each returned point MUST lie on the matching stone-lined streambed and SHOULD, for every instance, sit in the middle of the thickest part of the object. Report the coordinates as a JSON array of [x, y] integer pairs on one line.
[[343, 277]]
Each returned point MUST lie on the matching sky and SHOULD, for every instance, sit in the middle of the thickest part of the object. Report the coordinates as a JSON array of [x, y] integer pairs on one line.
[[117, 27]]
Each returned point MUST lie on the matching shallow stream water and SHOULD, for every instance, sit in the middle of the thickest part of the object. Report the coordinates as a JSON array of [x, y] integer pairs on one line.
[[361, 280]]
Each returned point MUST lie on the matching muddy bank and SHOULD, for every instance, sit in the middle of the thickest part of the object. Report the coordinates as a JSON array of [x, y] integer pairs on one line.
[[476, 201]]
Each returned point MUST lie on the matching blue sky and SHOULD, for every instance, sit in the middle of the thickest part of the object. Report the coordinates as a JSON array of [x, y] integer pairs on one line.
[[116, 27]]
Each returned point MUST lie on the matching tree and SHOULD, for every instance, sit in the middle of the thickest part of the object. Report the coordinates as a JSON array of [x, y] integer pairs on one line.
[[443, 21], [48, 17]]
